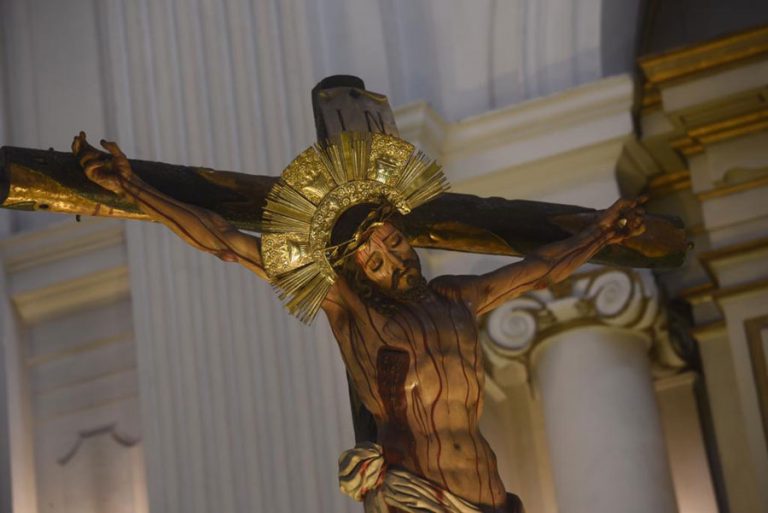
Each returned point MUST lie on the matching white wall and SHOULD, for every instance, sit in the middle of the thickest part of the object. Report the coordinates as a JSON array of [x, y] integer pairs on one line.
[[242, 408], [466, 58]]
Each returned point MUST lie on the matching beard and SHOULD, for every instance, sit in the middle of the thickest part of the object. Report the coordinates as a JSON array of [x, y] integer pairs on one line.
[[386, 300], [411, 279], [417, 289]]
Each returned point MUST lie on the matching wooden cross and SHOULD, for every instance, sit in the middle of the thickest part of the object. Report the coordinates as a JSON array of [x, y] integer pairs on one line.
[[53, 181]]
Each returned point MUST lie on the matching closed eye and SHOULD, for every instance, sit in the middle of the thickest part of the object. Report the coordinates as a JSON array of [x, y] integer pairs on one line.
[[375, 264]]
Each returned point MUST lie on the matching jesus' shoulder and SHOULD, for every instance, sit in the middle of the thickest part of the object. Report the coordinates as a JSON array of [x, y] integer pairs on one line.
[[344, 306], [482, 293], [343, 302]]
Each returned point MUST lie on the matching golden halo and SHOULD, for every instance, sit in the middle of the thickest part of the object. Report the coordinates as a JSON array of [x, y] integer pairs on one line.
[[320, 185]]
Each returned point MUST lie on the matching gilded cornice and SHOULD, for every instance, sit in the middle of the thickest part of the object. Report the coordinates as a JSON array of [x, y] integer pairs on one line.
[[705, 331], [726, 190], [699, 60], [698, 294], [664, 184], [697, 137], [682, 115]]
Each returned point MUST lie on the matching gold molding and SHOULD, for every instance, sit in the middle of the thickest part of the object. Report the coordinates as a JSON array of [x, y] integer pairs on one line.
[[733, 189], [705, 57], [708, 329], [698, 294], [651, 97], [663, 184], [733, 250], [738, 290], [712, 291], [696, 139], [708, 258], [700, 59]]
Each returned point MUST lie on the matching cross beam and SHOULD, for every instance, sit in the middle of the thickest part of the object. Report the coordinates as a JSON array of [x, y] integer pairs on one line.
[[52, 181]]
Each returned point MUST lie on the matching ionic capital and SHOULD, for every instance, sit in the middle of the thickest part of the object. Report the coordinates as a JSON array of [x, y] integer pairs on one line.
[[619, 298]]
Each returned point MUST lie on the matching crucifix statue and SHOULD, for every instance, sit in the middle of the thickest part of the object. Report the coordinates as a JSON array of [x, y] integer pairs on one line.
[[337, 234]]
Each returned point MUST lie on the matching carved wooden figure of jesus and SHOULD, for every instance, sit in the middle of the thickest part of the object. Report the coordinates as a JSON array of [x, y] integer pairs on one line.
[[410, 345]]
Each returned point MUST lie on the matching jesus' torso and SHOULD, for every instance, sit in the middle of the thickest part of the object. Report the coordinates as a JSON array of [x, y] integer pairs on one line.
[[419, 372]]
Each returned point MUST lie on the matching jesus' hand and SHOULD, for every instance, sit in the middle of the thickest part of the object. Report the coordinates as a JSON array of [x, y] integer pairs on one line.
[[623, 220], [110, 170]]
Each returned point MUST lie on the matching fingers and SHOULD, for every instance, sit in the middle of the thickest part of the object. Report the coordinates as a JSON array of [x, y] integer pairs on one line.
[[628, 203], [77, 143], [637, 202], [638, 228], [113, 148], [80, 143], [84, 152], [94, 169], [632, 222]]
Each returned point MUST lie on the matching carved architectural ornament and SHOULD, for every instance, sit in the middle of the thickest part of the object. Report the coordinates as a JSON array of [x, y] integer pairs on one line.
[[619, 298], [83, 436]]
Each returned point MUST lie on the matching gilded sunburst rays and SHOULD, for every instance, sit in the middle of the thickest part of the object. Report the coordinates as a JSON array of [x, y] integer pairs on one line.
[[316, 188]]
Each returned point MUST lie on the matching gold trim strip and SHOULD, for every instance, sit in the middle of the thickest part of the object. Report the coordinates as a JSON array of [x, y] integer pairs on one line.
[[663, 184], [696, 139], [737, 290], [651, 98], [708, 257], [710, 132], [708, 328], [733, 189], [733, 250], [699, 58], [697, 293], [663, 179]]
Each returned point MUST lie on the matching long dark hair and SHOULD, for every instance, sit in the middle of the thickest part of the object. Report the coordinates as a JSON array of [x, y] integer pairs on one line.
[[370, 293], [362, 219]]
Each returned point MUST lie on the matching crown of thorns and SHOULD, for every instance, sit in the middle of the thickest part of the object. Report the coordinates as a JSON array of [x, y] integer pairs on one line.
[[338, 253], [320, 185]]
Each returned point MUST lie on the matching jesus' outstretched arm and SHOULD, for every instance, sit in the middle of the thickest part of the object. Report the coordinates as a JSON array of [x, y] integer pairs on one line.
[[203, 229], [551, 263]]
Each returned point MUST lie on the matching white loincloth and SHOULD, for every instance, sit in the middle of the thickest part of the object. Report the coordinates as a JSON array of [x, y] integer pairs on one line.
[[364, 477]]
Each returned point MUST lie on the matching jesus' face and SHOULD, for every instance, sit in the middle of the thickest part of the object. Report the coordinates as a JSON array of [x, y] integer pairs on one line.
[[389, 261]]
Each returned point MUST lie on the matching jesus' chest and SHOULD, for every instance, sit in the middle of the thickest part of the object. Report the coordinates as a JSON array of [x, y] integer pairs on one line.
[[426, 352]]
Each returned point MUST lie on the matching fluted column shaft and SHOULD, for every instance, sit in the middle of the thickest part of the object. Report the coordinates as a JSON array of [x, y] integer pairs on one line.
[[602, 422]]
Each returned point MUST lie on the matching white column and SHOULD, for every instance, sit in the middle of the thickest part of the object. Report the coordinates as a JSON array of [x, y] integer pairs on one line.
[[602, 422], [243, 409], [585, 343]]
